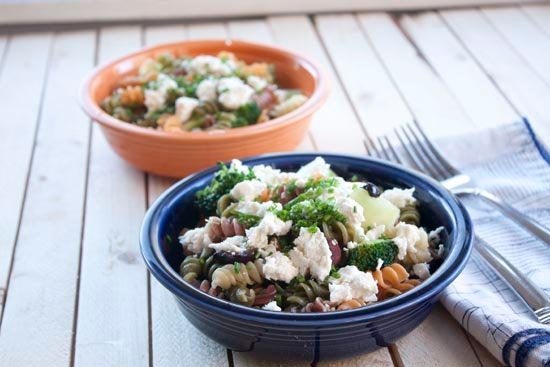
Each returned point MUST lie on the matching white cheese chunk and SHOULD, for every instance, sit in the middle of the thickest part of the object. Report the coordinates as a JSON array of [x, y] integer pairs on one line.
[[154, 100], [271, 306], [230, 244], [351, 209], [375, 233], [279, 267], [412, 243], [210, 65], [256, 208], [206, 90], [317, 168], [165, 83], [256, 82], [422, 270], [352, 284], [185, 107], [315, 249], [233, 93], [248, 190], [399, 197], [269, 225], [195, 240], [238, 166]]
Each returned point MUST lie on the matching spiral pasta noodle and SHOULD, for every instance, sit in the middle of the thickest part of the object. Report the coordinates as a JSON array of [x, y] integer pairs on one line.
[[131, 96], [337, 231], [242, 295], [219, 229], [228, 275], [410, 214], [393, 280], [306, 292], [289, 105]]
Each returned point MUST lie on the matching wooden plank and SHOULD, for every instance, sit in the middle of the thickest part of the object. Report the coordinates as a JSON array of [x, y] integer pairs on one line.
[[39, 11], [371, 90], [112, 326], [20, 112], [207, 30], [173, 338], [485, 357], [426, 95], [522, 86], [530, 41], [260, 31], [438, 341], [335, 127], [39, 311], [459, 71], [540, 14]]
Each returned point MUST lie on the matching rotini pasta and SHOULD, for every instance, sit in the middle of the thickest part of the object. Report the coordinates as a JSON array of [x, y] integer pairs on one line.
[[231, 275], [410, 214], [289, 105], [393, 280]]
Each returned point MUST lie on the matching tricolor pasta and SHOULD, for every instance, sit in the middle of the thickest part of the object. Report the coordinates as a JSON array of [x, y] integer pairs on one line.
[[204, 92], [306, 241]]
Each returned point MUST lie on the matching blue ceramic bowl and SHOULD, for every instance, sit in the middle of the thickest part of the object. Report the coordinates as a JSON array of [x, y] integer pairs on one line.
[[313, 336]]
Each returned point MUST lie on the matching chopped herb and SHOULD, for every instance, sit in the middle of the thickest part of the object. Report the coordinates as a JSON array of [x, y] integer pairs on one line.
[[237, 267], [300, 279], [334, 273], [248, 220]]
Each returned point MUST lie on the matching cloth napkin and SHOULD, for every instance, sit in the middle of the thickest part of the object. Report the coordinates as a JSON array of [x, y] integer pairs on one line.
[[512, 163]]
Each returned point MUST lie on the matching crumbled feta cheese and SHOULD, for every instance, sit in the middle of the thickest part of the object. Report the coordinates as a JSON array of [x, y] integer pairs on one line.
[[225, 84], [412, 243], [206, 90], [351, 209], [195, 240], [269, 175], [315, 248], [440, 250], [234, 95], [230, 244], [154, 100], [375, 233], [269, 225], [185, 107], [206, 64], [379, 264], [165, 83], [422, 270], [317, 168], [279, 267], [256, 82], [352, 244], [299, 261], [399, 197], [352, 284], [271, 306], [248, 190], [238, 166], [256, 208]]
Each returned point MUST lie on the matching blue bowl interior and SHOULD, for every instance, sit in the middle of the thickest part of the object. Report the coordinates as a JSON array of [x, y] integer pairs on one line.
[[175, 210]]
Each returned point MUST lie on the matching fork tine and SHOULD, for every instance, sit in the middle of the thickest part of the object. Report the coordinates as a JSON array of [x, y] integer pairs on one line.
[[383, 149], [371, 147], [417, 165], [427, 155], [448, 167], [394, 153], [429, 169]]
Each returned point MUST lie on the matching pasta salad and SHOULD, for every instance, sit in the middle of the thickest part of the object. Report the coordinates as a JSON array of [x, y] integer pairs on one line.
[[201, 93], [306, 241]]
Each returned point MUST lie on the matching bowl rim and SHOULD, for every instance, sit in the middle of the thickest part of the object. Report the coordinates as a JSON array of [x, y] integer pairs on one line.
[[449, 270], [314, 102]]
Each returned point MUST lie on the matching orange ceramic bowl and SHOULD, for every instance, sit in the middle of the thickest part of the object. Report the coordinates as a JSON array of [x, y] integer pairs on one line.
[[177, 154]]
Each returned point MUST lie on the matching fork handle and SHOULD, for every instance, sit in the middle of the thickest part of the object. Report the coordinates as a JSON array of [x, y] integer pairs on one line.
[[535, 228], [531, 294]]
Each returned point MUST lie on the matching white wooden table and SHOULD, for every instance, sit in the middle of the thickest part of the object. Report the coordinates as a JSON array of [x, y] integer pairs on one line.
[[73, 287]]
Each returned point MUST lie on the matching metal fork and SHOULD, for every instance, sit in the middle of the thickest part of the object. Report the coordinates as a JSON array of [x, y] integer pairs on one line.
[[425, 158]]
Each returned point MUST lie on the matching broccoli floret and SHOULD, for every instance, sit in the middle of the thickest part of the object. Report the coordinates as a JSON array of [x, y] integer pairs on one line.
[[246, 115], [365, 256], [311, 213], [224, 180]]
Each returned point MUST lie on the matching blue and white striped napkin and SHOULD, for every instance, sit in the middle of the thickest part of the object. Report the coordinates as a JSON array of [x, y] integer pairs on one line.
[[511, 163]]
